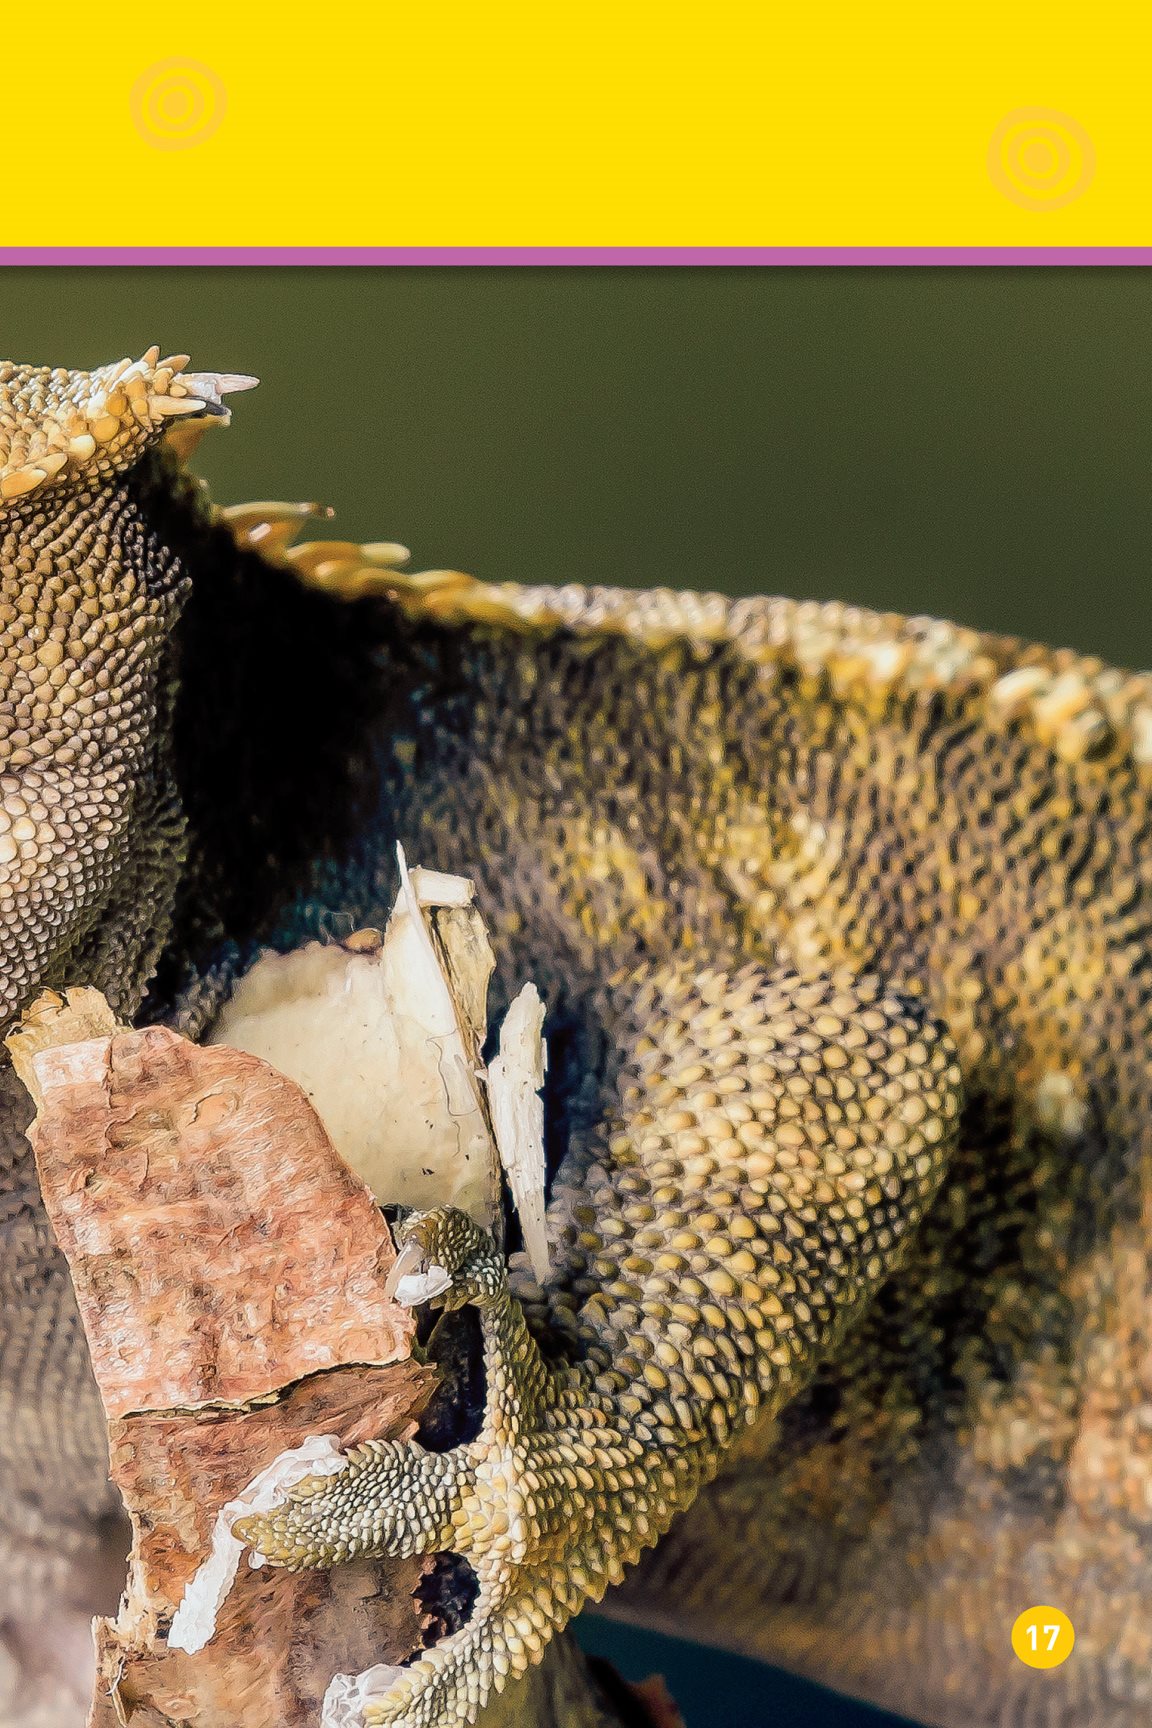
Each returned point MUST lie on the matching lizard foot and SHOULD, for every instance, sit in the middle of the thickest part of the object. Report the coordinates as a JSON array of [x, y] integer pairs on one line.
[[723, 1223], [509, 1501]]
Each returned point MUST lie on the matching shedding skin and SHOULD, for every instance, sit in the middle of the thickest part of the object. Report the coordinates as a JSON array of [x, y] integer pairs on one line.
[[844, 922]]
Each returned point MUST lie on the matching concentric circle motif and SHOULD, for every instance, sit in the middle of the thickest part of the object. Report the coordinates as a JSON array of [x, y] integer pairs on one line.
[[1041, 158], [177, 103]]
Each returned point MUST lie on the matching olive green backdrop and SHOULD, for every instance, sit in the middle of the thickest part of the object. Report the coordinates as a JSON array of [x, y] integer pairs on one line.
[[974, 444]]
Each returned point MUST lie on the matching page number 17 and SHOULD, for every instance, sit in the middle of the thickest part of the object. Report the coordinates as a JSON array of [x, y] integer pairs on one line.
[[1042, 1637]]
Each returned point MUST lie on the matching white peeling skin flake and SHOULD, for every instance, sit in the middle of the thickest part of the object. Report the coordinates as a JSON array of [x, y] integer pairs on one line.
[[437, 888], [195, 1620], [384, 1037], [514, 1081], [408, 1285], [348, 1695]]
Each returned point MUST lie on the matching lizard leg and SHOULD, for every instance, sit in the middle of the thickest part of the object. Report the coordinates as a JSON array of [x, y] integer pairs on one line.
[[765, 1148]]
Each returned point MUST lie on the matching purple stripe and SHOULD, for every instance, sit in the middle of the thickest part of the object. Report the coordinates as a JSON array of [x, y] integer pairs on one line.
[[575, 255]]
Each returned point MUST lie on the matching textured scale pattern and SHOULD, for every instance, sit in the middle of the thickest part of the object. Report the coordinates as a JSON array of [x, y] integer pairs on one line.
[[845, 926], [759, 1166]]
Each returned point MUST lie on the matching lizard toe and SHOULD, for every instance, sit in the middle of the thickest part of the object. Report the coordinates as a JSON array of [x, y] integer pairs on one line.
[[446, 1259], [392, 1497]]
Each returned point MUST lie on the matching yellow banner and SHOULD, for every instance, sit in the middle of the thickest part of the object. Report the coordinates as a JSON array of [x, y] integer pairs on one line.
[[216, 125]]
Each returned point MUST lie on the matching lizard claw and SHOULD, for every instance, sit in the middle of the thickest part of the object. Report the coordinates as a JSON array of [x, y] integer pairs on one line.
[[447, 1259]]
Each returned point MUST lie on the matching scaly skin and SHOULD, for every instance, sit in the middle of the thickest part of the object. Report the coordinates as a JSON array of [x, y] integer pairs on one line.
[[832, 1106], [794, 880]]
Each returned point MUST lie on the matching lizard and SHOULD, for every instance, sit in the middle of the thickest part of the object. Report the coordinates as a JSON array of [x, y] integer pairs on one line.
[[843, 922]]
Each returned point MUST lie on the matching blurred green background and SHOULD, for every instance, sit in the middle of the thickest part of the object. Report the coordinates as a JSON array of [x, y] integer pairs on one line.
[[970, 443]]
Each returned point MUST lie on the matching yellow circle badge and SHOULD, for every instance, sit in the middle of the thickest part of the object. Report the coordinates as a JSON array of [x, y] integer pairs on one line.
[[1043, 1637]]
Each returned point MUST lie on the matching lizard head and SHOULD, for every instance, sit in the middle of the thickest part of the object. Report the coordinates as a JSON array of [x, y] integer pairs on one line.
[[89, 592], [64, 431]]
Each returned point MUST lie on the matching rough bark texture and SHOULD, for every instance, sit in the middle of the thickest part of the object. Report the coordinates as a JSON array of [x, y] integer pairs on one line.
[[230, 1272]]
